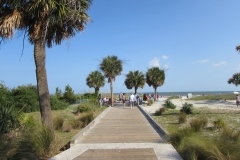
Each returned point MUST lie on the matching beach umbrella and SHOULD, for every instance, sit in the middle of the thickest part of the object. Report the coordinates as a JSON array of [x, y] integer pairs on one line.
[[236, 92]]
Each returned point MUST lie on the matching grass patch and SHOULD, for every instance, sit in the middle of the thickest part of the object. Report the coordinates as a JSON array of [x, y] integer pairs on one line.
[[206, 143]]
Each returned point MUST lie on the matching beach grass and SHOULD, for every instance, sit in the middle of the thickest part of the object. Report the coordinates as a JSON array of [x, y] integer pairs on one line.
[[214, 97], [198, 137]]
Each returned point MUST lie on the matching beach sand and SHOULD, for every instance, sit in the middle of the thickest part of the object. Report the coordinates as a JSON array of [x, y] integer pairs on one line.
[[212, 104]]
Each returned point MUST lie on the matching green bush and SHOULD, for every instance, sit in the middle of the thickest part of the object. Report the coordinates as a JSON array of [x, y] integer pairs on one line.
[[198, 124], [57, 104], [182, 117], [86, 118], [28, 122], [68, 95], [84, 107], [10, 118], [159, 111], [169, 104], [26, 97], [187, 108]]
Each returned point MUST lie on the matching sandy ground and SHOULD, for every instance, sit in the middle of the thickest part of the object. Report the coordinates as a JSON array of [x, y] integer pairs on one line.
[[213, 104]]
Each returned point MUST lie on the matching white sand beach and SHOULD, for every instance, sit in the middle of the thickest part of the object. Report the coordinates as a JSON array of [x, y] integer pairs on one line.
[[212, 104]]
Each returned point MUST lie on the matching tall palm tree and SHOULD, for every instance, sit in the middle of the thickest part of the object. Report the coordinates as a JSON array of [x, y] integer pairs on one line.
[[45, 23], [238, 48], [111, 67], [95, 80], [135, 79], [235, 79], [155, 77]]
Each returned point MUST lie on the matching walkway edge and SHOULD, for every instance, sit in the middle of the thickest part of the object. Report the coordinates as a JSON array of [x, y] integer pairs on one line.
[[73, 141], [161, 131]]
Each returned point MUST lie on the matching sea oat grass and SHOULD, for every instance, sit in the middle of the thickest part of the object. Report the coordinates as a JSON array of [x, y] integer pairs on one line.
[[58, 122], [198, 124], [38, 142], [86, 118], [159, 111], [182, 117]]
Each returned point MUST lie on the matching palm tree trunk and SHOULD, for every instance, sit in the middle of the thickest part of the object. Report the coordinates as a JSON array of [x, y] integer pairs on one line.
[[155, 94], [42, 84], [135, 90], [111, 90]]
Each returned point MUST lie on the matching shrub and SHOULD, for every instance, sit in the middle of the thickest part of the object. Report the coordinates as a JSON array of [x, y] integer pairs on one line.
[[187, 108], [57, 104], [9, 118], [229, 134], [68, 95], [26, 98], [75, 123], [199, 148], [86, 118], [66, 127], [84, 107], [198, 124], [150, 102], [159, 111], [169, 104], [177, 137], [182, 117], [58, 122], [36, 143], [28, 122], [218, 124]]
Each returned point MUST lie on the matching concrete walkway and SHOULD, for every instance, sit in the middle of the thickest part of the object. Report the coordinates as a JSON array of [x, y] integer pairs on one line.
[[120, 133]]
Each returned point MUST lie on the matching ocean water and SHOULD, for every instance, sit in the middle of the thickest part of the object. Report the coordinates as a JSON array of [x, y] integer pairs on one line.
[[186, 93]]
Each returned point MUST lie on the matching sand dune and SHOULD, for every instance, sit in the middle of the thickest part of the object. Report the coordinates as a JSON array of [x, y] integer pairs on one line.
[[211, 104]]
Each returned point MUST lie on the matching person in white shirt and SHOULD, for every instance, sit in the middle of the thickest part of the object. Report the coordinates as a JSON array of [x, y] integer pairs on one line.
[[131, 100]]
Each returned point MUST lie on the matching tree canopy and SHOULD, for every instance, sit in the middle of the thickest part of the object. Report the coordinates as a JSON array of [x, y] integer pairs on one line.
[[155, 77], [95, 80], [135, 79]]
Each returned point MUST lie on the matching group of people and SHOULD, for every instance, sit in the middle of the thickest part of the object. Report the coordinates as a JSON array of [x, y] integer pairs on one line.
[[149, 96], [132, 99]]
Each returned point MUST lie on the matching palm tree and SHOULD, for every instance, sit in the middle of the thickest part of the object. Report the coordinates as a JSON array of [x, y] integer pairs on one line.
[[155, 77], [235, 79], [238, 48], [95, 80], [135, 79], [111, 67], [45, 23]]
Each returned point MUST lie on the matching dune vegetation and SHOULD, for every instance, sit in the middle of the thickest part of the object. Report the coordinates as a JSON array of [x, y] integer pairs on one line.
[[202, 133]]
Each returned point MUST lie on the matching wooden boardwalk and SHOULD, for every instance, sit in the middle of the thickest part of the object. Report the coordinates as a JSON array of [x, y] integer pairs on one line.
[[121, 125], [120, 134]]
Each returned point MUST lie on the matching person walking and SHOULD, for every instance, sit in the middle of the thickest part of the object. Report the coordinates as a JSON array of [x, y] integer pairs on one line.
[[131, 100], [237, 100], [123, 100], [120, 97], [100, 99]]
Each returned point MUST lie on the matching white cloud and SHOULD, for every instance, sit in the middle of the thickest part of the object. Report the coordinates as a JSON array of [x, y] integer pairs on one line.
[[154, 62], [219, 64], [165, 57], [202, 61]]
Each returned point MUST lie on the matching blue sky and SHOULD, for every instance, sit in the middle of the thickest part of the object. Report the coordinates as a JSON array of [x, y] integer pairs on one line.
[[193, 40]]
